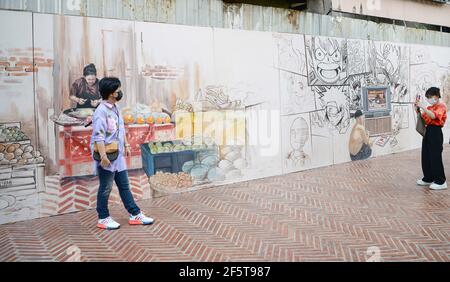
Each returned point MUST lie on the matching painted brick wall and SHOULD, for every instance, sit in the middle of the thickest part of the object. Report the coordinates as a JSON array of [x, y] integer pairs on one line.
[[19, 62], [162, 72]]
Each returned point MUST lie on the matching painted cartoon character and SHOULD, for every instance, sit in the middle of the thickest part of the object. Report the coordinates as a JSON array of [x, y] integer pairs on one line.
[[297, 89], [299, 135], [356, 83], [292, 54], [399, 114], [328, 61], [356, 57], [335, 102]]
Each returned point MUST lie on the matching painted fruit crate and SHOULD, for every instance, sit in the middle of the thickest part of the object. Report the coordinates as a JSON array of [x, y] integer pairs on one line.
[[166, 161]]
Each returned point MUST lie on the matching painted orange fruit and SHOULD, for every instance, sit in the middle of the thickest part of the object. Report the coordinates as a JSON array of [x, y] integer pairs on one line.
[[140, 120], [150, 120], [128, 119]]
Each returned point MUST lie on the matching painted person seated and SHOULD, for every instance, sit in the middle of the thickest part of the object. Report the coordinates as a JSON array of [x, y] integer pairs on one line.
[[360, 147]]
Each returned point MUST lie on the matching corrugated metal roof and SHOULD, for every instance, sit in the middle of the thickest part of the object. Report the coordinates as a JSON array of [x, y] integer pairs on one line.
[[215, 13]]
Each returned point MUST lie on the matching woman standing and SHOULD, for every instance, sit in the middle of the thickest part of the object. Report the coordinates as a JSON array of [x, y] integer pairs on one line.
[[109, 131], [84, 91], [434, 116]]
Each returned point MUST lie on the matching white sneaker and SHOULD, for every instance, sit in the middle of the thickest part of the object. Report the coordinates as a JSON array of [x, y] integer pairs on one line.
[[108, 223], [435, 186], [140, 219], [420, 182]]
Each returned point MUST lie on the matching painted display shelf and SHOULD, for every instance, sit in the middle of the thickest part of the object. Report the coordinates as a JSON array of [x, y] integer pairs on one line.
[[166, 161]]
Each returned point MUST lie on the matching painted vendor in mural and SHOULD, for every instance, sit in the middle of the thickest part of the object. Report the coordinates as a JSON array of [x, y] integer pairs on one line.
[[109, 146], [359, 146], [84, 91]]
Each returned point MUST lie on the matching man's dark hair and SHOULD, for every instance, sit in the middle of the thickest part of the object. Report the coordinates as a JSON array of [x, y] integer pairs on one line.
[[108, 85], [89, 70], [433, 91]]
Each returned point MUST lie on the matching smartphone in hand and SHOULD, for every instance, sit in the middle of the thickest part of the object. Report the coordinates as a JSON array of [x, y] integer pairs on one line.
[[418, 97]]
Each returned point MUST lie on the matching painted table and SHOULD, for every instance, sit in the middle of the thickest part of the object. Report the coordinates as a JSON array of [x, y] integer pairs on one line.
[[75, 153]]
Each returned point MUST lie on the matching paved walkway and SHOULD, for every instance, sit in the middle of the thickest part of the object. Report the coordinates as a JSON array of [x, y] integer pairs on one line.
[[350, 212]]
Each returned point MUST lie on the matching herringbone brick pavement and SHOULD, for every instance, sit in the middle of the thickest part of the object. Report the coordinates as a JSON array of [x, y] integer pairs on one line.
[[335, 213]]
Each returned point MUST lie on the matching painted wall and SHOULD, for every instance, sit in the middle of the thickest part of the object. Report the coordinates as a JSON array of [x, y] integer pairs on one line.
[[295, 94]]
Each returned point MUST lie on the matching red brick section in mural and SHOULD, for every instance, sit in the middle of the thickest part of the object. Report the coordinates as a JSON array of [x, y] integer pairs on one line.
[[19, 62], [162, 72], [64, 195], [336, 213]]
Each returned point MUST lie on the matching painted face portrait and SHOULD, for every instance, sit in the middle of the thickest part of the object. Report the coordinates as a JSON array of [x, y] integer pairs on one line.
[[335, 101], [299, 133], [327, 59], [90, 79], [335, 113], [296, 87]]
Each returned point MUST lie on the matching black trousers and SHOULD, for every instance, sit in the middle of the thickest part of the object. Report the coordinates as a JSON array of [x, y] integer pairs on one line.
[[432, 167]]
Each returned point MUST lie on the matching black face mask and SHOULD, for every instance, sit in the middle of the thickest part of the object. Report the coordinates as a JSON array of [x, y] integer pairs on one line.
[[119, 95]]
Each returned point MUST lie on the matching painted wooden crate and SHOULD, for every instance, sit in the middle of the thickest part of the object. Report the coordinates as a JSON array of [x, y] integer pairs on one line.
[[166, 162]]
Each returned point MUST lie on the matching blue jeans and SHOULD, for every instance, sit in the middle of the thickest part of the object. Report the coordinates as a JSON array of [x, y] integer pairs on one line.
[[106, 178]]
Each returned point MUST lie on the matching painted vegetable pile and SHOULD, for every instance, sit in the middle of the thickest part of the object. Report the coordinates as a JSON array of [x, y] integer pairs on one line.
[[12, 134], [210, 167], [15, 153], [159, 147], [168, 180], [64, 119]]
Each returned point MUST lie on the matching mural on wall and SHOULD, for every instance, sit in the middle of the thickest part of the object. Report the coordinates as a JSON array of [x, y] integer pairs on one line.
[[389, 65], [231, 105], [244, 61], [22, 166], [327, 60]]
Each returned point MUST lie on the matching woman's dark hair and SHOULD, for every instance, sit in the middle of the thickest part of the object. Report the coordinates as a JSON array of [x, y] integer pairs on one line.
[[89, 70], [108, 85], [433, 91], [358, 113]]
